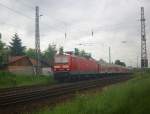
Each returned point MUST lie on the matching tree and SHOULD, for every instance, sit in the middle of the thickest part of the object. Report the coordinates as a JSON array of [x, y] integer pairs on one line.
[[76, 51], [30, 53], [82, 53], [49, 54], [118, 62], [16, 48], [2, 45], [89, 55], [102, 61], [3, 53], [61, 50], [85, 54]]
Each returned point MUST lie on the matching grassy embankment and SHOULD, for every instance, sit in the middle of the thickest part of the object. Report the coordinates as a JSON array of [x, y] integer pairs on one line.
[[131, 97], [11, 80]]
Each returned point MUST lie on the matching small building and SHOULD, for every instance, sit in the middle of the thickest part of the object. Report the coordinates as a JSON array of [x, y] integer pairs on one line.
[[25, 65], [20, 65]]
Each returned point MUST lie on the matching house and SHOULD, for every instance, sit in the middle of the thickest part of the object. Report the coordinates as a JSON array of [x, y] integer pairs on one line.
[[20, 65], [26, 65]]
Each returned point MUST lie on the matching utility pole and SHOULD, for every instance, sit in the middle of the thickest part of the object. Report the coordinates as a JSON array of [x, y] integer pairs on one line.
[[137, 62], [65, 35], [109, 55], [37, 41], [92, 33], [144, 60]]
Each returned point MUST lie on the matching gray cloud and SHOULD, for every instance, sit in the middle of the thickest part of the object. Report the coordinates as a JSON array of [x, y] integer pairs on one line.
[[112, 22]]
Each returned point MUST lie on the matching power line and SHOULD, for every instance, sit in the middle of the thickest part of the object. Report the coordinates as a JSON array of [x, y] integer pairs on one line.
[[31, 7], [20, 13], [15, 11], [25, 4], [46, 24], [97, 29], [55, 28]]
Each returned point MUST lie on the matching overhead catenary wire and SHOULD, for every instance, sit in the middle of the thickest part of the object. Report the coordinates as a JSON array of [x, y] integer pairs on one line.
[[61, 29], [26, 4], [15, 11], [20, 13], [50, 27]]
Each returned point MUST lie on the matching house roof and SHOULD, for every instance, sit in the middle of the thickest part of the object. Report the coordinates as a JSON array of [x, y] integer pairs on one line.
[[15, 58]]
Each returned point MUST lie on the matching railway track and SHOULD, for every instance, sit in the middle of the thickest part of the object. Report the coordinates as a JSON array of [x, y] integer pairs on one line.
[[23, 95]]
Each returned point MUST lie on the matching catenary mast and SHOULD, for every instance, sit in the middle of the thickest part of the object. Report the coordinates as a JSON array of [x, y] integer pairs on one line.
[[144, 60], [37, 41]]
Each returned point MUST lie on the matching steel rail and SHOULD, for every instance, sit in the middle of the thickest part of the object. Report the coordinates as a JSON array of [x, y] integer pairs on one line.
[[22, 96], [11, 91]]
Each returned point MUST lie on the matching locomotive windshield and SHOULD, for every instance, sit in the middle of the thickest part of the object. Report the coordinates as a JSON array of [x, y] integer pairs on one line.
[[61, 59]]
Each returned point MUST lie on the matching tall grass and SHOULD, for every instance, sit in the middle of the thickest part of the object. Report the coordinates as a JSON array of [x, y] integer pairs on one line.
[[132, 97], [11, 80]]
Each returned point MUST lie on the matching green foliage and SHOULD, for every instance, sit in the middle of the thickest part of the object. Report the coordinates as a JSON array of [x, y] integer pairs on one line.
[[30, 53], [61, 50], [85, 54], [76, 51], [16, 48], [118, 62], [132, 97], [1, 45], [11, 80], [49, 54], [3, 53], [82, 53]]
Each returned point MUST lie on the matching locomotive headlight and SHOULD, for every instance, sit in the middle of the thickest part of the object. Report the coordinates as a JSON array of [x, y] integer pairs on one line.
[[56, 66], [65, 66]]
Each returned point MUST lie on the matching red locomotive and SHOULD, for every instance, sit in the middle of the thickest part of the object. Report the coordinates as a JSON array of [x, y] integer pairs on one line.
[[71, 67]]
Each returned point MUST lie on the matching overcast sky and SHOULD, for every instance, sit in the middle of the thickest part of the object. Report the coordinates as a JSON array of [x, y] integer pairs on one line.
[[112, 22]]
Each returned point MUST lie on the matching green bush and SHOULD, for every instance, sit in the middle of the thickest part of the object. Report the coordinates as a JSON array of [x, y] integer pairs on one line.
[[10, 80]]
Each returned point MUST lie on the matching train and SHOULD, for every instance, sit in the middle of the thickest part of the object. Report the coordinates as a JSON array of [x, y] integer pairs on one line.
[[68, 67]]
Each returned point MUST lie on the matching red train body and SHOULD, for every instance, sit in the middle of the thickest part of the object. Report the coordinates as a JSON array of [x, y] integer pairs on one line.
[[70, 67]]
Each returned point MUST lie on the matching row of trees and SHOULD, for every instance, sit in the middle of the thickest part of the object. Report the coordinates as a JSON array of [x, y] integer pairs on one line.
[[17, 49], [82, 53], [118, 62]]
